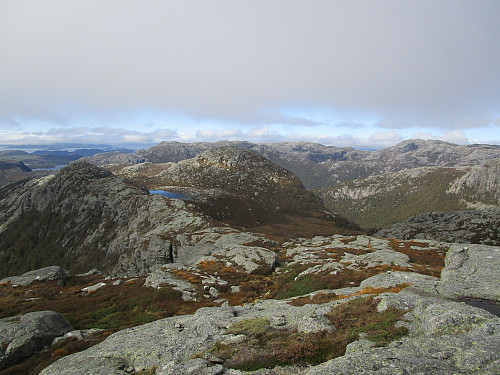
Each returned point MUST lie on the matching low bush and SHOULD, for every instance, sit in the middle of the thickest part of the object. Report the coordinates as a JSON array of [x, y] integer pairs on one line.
[[267, 347]]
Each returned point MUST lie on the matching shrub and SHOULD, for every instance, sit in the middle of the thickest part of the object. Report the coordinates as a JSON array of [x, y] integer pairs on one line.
[[267, 347]]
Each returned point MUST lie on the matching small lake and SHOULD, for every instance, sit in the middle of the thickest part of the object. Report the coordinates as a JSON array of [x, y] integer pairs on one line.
[[169, 194], [56, 168]]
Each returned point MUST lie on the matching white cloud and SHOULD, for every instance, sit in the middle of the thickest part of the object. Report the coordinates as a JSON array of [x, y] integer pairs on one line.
[[455, 136]]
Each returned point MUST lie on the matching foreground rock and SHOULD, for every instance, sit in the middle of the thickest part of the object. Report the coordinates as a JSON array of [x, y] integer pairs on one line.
[[471, 271], [446, 337], [21, 336], [42, 274]]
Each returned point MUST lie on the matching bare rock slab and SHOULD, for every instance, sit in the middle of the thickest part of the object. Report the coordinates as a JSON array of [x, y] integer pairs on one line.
[[23, 335], [42, 274], [471, 271]]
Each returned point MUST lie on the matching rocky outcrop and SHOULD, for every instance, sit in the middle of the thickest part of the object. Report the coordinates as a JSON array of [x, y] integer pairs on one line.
[[85, 217], [446, 337], [43, 274], [249, 258], [479, 227], [471, 271], [21, 336], [483, 181]]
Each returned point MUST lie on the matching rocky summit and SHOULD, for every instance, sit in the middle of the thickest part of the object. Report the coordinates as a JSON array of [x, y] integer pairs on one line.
[[248, 272]]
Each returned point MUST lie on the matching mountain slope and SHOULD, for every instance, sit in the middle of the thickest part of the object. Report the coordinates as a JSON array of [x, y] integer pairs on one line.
[[383, 200], [84, 217], [232, 184], [380, 201]]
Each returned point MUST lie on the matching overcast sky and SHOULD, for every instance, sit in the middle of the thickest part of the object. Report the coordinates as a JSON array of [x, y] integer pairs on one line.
[[345, 73]]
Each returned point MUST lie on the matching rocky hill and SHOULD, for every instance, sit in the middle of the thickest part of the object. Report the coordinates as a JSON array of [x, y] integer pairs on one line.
[[11, 171], [85, 217], [233, 185], [319, 166]]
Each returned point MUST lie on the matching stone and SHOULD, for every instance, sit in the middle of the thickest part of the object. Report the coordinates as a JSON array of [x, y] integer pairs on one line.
[[471, 271], [377, 258], [450, 318], [391, 279], [250, 258], [94, 287], [23, 335], [42, 274], [161, 278]]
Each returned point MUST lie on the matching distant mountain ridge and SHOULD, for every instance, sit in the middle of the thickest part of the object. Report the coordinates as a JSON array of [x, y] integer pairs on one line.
[[319, 166]]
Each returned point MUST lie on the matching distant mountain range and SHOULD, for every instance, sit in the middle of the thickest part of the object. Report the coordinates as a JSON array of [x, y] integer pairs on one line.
[[374, 189], [319, 166]]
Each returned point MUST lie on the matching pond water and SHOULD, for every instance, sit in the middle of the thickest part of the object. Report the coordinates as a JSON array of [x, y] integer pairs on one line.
[[169, 194], [492, 307], [56, 168]]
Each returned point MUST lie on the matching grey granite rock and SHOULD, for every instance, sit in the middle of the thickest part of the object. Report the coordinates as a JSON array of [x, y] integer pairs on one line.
[[393, 278], [471, 271], [42, 274], [23, 335], [377, 258], [474, 352], [161, 278]]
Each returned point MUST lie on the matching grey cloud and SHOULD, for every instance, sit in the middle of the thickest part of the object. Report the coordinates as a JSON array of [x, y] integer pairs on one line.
[[87, 135], [227, 60]]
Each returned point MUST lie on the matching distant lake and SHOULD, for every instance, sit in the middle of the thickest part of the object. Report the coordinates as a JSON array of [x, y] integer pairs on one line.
[[56, 168], [169, 194]]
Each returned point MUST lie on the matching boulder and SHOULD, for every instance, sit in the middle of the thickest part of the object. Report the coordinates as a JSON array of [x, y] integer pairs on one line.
[[471, 271], [94, 287], [476, 352], [160, 278], [378, 258], [42, 274], [23, 335], [250, 258], [391, 279]]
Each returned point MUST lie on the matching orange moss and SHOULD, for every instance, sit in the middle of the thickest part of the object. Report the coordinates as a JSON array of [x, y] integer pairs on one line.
[[314, 299], [186, 275], [376, 291]]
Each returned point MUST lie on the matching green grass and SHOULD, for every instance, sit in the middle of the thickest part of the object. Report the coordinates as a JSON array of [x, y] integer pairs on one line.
[[385, 208]]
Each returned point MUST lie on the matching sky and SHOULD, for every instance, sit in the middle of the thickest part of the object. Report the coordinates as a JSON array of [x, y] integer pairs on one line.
[[365, 74]]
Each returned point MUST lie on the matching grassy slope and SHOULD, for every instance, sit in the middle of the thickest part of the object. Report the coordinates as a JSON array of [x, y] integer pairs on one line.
[[405, 197]]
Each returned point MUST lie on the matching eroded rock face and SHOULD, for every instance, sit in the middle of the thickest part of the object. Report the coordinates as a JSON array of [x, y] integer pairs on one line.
[[23, 335], [471, 271]]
